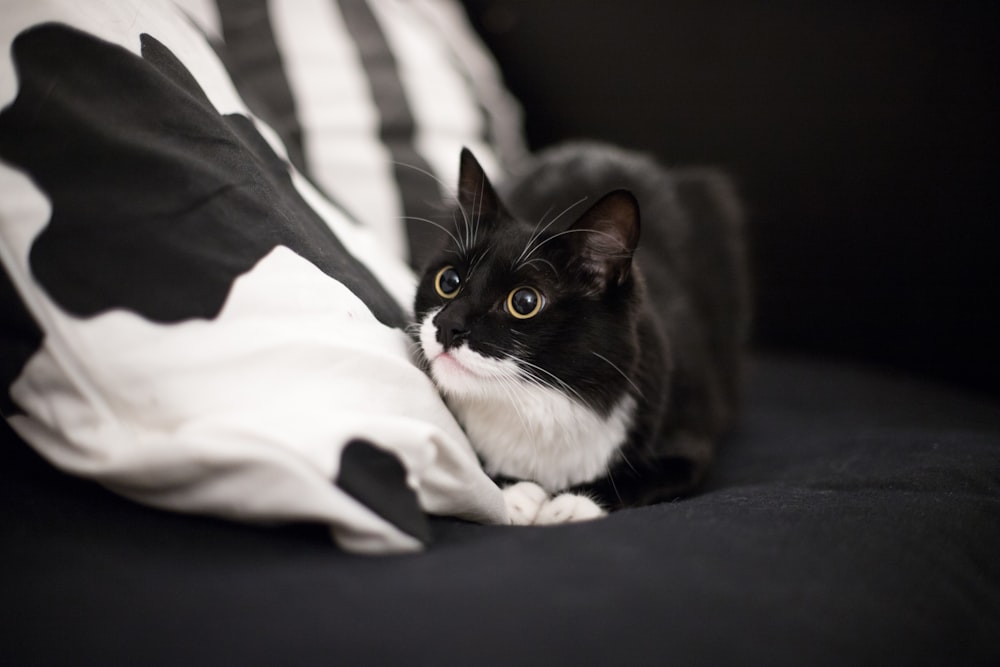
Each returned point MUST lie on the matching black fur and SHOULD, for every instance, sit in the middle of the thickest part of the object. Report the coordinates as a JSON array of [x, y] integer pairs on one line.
[[665, 323]]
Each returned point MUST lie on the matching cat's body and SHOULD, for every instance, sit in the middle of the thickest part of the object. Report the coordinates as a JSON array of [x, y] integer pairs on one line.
[[570, 363]]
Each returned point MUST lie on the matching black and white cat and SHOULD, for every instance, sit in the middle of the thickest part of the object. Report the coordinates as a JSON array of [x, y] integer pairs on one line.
[[593, 372]]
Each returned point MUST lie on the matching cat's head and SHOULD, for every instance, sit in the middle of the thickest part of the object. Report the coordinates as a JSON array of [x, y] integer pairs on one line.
[[551, 302]]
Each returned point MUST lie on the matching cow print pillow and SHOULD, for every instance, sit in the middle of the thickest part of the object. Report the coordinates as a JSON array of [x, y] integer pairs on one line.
[[185, 318]]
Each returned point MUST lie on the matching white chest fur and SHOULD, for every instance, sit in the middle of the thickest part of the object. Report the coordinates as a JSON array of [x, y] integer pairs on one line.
[[522, 427], [542, 435]]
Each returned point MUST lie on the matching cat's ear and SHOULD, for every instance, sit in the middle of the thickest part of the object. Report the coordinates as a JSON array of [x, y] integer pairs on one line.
[[604, 239], [476, 195]]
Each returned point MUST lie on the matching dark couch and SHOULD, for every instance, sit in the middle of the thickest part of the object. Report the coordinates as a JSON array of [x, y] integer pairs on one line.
[[853, 517]]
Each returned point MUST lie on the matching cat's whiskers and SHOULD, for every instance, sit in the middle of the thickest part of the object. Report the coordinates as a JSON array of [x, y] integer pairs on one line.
[[444, 229], [611, 478], [445, 188], [416, 349], [557, 418], [534, 235], [462, 232], [475, 259], [541, 220], [419, 358], [577, 231], [507, 381], [627, 462], [470, 219], [620, 372], [477, 219], [448, 194], [529, 247], [564, 386], [552, 267], [466, 224], [526, 377], [509, 387], [412, 332]]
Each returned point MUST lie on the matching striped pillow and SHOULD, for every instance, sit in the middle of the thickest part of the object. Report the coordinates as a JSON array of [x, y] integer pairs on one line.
[[373, 100], [193, 322]]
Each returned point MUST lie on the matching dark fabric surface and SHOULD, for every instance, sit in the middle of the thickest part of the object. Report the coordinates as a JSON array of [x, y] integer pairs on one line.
[[853, 519]]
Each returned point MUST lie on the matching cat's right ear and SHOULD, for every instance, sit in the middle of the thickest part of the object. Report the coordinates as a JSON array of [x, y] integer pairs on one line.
[[476, 195]]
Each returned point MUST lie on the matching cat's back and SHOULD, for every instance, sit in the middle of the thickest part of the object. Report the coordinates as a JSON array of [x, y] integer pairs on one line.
[[572, 176]]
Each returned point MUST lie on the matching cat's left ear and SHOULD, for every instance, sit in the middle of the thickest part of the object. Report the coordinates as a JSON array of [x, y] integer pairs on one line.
[[476, 195], [605, 237]]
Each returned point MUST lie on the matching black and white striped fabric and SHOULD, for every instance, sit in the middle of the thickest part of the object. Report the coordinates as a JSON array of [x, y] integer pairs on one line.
[[371, 100], [204, 246]]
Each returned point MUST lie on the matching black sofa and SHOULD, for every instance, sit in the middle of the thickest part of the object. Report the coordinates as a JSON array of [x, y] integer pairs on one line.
[[854, 515], [851, 520]]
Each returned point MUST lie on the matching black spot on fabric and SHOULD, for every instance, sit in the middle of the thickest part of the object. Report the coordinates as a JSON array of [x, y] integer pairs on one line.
[[158, 201], [20, 337], [377, 479]]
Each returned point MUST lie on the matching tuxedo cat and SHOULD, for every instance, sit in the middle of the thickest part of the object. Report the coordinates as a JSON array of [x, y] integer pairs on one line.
[[590, 370]]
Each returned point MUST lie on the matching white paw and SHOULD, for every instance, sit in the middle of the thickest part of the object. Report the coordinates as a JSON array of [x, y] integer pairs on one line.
[[566, 508], [523, 500]]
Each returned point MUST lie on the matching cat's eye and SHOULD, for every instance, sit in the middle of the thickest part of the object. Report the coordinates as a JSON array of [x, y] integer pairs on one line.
[[524, 302], [447, 282]]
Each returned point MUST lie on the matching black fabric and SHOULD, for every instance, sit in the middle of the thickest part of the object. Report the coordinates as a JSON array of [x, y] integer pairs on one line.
[[164, 212], [254, 61], [418, 189], [20, 337], [864, 137], [851, 520], [377, 479]]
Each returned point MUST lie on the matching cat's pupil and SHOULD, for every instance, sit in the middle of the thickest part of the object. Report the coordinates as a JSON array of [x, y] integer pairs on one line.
[[449, 281], [524, 301]]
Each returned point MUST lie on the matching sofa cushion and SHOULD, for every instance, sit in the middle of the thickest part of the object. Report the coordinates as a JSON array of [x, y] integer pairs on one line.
[[851, 520]]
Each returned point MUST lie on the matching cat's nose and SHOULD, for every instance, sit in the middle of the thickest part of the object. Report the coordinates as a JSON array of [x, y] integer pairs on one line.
[[451, 330], [450, 336]]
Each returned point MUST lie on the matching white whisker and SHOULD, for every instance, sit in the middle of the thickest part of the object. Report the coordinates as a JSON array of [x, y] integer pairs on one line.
[[529, 247], [576, 231], [479, 214], [444, 186], [611, 478], [620, 372], [543, 261], [431, 222], [563, 385]]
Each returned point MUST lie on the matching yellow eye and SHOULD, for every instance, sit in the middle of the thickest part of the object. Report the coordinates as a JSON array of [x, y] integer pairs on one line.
[[447, 282], [524, 302]]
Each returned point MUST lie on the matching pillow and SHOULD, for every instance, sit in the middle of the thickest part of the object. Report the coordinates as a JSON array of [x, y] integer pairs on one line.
[[373, 99], [186, 318]]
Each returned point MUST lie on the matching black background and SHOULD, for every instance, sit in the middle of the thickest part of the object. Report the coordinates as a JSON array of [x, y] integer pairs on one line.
[[863, 137]]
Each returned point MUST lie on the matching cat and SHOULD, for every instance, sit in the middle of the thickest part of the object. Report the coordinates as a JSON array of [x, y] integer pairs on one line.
[[589, 371]]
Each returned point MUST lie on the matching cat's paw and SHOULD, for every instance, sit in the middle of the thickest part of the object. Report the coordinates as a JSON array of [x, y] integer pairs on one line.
[[566, 508], [523, 500]]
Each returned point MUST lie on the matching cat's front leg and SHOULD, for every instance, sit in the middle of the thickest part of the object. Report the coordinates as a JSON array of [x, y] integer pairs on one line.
[[567, 508], [523, 500]]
